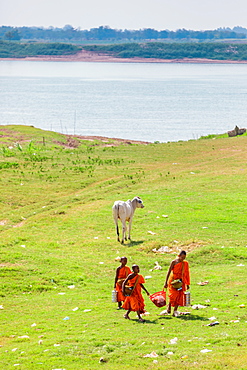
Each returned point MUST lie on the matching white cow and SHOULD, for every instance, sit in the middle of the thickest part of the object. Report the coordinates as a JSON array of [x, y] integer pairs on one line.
[[125, 212]]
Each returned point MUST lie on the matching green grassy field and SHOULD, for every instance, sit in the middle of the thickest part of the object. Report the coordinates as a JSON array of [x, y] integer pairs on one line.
[[58, 249]]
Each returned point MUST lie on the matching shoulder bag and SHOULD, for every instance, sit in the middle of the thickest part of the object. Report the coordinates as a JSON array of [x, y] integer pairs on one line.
[[177, 283], [128, 290]]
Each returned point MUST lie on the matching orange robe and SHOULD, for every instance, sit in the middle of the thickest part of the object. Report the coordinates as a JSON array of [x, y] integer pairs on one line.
[[177, 296], [122, 274], [135, 302]]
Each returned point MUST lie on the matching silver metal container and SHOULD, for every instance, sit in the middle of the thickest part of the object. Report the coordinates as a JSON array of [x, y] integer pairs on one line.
[[187, 299], [114, 296]]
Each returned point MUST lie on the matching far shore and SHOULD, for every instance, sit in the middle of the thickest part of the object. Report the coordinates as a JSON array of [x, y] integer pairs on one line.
[[89, 56]]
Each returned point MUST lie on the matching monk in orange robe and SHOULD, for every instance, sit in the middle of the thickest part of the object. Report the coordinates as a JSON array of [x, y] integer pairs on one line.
[[179, 269], [121, 274], [134, 301]]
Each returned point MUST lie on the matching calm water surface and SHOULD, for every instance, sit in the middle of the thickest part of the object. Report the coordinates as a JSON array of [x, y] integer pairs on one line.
[[151, 102]]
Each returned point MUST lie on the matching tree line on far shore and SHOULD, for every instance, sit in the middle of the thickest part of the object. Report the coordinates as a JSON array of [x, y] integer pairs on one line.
[[162, 50], [105, 33], [11, 49], [158, 50]]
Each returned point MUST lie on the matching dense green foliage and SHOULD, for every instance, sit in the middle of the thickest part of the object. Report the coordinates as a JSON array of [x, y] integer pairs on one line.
[[157, 50], [11, 49], [58, 251], [105, 33], [162, 50]]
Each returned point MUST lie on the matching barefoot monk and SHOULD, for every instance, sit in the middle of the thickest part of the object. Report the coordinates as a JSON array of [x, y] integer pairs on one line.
[[121, 274], [177, 282], [134, 300]]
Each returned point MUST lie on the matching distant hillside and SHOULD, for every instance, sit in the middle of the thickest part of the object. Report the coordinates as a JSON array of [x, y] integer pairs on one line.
[[105, 34], [161, 50], [11, 49], [156, 50]]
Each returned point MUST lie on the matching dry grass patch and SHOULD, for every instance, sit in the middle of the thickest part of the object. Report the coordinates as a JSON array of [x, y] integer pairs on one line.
[[173, 247], [10, 265]]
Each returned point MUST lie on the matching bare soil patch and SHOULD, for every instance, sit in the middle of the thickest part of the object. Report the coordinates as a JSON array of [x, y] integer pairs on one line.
[[20, 224], [105, 141], [173, 247], [112, 141], [10, 137], [8, 264]]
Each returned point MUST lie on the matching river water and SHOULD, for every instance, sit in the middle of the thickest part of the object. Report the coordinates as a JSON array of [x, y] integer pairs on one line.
[[139, 101]]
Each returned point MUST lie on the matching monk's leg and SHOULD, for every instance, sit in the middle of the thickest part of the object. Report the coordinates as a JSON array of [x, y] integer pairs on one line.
[[126, 316], [139, 317], [175, 312], [119, 305], [169, 308]]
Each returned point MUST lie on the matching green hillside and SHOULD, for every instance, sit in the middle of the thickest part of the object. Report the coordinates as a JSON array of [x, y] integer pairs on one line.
[[58, 250], [157, 50], [11, 49], [161, 50]]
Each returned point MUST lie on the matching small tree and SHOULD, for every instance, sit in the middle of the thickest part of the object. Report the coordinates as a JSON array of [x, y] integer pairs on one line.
[[12, 35]]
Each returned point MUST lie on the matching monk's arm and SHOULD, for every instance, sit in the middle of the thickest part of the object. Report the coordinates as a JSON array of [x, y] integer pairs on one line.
[[130, 276], [187, 276], [168, 274], [143, 287], [116, 277]]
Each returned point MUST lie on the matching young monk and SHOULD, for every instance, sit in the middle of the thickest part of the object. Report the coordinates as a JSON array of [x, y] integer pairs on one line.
[[135, 301], [179, 269], [121, 274]]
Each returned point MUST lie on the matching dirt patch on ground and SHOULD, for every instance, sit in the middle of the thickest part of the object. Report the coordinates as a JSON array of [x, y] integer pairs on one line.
[[112, 141], [20, 224], [174, 247], [10, 138], [73, 141], [9, 265], [191, 246]]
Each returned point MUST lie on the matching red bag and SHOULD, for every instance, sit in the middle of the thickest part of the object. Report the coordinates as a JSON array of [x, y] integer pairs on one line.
[[159, 298]]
